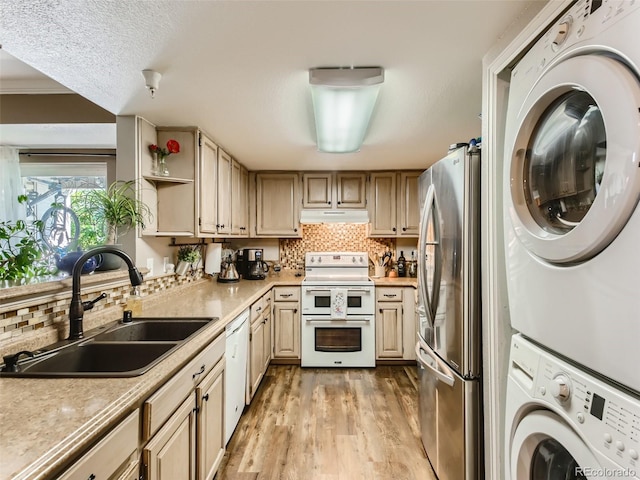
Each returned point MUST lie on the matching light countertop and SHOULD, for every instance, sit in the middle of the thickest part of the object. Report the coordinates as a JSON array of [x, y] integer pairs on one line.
[[46, 423]]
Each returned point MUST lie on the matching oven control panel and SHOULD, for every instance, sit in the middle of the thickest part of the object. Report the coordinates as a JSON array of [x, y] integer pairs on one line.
[[336, 259]]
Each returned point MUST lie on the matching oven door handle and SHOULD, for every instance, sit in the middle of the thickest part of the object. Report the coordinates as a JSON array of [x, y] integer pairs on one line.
[[317, 290], [345, 320]]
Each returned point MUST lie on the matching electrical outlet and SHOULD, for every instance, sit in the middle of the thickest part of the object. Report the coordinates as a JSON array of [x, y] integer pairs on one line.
[[150, 266]]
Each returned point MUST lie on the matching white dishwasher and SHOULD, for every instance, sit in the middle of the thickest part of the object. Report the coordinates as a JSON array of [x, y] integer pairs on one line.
[[237, 348]]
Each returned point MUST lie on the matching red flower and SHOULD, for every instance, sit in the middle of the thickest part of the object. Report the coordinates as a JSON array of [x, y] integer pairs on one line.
[[172, 147]]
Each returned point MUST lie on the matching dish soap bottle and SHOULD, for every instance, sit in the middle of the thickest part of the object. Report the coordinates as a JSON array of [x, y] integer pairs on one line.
[[402, 265], [134, 302]]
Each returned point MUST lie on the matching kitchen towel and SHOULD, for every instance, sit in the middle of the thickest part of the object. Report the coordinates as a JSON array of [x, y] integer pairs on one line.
[[213, 258], [339, 303]]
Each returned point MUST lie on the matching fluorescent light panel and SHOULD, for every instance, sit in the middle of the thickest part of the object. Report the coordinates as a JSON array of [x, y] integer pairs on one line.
[[343, 101]]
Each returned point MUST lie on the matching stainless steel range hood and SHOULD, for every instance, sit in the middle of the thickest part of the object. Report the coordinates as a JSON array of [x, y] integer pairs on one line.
[[334, 216]]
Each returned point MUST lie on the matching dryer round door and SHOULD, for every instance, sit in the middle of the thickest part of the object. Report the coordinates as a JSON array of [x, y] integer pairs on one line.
[[574, 174], [545, 447]]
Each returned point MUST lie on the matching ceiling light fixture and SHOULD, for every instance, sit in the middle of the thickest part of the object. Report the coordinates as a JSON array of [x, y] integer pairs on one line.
[[152, 81], [343, 101]]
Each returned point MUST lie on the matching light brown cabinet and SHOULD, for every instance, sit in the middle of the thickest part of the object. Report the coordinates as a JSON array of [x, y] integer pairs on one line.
[[260, 344], [114, 457], [277, 205], [223, 189], [344, 190], [239, 200], [395, 323], [286, 322], [394, 208], [183, 421]]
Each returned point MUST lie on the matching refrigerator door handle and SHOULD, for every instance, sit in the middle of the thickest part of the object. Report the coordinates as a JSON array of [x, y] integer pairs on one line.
[[447, 377], [430, 214]]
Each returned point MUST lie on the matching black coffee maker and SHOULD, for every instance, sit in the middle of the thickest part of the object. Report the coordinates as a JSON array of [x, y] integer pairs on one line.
[[252, 267]]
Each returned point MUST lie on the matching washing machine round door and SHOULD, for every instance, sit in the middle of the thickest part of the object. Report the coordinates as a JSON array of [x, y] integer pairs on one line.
[[575, 176], [544, 447]]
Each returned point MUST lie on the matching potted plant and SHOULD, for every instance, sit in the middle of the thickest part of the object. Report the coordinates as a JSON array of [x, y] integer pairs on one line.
[[22, 254], [187, 258], [115, 210]]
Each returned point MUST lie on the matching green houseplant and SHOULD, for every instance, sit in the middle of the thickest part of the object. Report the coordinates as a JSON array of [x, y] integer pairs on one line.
[[187, 258], [117, 208], [22, 254]]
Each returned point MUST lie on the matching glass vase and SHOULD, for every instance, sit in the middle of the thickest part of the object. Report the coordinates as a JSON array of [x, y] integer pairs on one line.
[[162, 168]]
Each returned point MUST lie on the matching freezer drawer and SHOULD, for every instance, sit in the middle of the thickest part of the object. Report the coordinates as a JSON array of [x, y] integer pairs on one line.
[[450, 419]]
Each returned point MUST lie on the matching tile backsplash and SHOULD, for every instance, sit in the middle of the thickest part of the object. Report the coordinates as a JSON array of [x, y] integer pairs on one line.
[[330, 238]]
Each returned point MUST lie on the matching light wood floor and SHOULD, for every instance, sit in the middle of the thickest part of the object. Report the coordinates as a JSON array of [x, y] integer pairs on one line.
[[330, 424]]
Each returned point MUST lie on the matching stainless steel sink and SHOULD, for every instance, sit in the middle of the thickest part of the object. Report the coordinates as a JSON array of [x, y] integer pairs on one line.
[[123, 350]]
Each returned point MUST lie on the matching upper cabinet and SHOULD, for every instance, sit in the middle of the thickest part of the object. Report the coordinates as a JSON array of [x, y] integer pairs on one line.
[[333, 190], [201, 197], [393, 204], [277, 205]]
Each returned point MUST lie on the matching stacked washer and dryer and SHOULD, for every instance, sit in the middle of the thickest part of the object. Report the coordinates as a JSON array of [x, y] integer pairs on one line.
[[572, 234]]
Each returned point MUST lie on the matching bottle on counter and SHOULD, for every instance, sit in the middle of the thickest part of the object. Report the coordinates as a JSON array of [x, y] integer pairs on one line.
[[402, 265], [134, 302], [413, 266]]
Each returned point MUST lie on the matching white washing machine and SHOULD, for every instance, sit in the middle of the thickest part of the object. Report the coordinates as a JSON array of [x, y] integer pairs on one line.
[[571, 189], [561, 423]]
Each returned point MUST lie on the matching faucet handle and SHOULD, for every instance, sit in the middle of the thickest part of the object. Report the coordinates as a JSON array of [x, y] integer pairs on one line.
[[89, 305], [11, 361]]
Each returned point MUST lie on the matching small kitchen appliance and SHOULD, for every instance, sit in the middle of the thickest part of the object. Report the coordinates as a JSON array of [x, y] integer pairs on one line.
[[254, 268], [228, 272], [338, 311]]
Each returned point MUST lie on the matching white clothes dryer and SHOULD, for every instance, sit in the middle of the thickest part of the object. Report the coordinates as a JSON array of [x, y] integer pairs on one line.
[[571, 189], [561, 423]]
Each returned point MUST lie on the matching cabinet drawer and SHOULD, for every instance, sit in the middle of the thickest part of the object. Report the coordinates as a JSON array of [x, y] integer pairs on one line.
[[266, 301], [256, 310], [111, 455], [385, 294], [287, 294], [159, 406]]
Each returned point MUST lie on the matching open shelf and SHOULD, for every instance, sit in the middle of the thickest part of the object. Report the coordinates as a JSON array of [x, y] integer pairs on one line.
[[154, 178]]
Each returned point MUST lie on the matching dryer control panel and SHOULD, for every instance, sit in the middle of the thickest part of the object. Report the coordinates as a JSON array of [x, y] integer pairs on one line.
[[606, 416]]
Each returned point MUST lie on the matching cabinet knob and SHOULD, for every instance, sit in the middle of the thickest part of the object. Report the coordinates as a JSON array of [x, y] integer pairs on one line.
[[339, 202], [404, 229], [329, 202], [295, 229], [206, 397], [394, 229], [295, 310]]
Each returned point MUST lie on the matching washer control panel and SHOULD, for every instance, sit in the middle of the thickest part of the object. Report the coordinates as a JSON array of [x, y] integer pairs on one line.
[[606, 416]]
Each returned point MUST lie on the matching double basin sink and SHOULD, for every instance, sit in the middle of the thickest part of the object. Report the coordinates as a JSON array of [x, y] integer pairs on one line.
[[123, 350]]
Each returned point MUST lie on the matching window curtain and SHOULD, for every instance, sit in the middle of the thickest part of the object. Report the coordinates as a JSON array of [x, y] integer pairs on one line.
[[10, 185]]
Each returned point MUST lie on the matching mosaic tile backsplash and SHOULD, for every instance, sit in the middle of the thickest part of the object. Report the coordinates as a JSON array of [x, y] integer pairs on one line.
[[330, 238]]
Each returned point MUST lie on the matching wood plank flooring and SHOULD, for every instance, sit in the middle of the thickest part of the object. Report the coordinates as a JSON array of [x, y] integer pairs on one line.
[[330, 424]]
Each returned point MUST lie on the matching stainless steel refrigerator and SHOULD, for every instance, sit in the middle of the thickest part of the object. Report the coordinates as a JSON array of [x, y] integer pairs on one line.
[[449, 336]]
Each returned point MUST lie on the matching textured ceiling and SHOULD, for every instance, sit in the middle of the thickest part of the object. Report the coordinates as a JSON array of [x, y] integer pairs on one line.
[[239, 69]]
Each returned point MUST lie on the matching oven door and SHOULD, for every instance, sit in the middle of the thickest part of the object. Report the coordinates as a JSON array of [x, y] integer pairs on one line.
[[316, 300], [328, 342]]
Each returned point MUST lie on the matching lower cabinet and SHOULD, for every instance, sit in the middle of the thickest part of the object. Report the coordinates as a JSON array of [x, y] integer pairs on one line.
[[184, 421], [259, 343], [286, 322], [395, 323], [114, 457]]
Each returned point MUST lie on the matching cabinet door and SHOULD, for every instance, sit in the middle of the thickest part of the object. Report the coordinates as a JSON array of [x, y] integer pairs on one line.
[[170, 455], [243, 215], [278, 204], [224, 193], [210, 395], [286, 330], [236, 197], [317, 190], [350, 189], [389, 330], [266, 349], [382, 195], [207, 186], [410, 323], [256, 361], [408, 203]]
